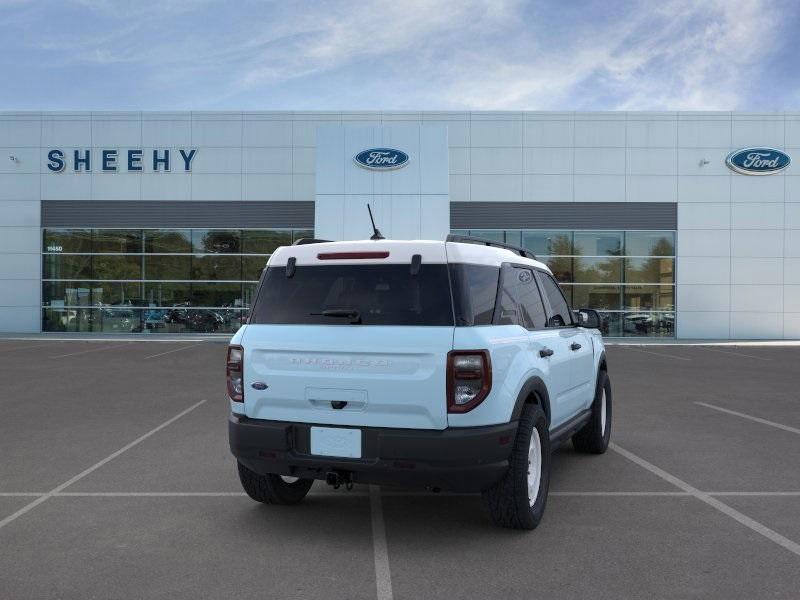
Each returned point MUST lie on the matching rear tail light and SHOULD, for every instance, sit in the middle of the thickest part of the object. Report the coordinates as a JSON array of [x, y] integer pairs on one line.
[[235, 373], [469, 379]]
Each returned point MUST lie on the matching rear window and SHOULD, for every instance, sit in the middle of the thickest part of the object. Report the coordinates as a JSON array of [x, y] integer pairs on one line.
[[376, 294]]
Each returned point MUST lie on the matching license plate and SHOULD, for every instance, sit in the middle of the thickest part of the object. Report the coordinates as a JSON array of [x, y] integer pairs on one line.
[[335, 441]]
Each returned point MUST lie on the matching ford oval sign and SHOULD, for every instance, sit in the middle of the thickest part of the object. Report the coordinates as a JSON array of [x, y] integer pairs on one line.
[[381, 159], [758, 161]]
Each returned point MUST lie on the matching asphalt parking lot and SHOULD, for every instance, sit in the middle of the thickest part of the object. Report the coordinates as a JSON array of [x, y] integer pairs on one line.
[[116, 482]]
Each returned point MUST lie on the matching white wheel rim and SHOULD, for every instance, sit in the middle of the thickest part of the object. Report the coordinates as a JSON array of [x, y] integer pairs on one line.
[[534, 466], [603, 413], [289, 478]]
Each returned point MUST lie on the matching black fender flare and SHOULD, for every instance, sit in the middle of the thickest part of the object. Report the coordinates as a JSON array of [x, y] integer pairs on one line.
[[533, 387]]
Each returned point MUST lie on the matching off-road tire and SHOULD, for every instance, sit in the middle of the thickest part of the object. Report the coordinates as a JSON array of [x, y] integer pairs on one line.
[[507, 501], [594, 436], [271, 489]]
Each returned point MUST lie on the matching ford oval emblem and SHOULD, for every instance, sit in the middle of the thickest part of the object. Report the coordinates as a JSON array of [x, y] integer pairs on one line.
[[381, 159], [758, 161]]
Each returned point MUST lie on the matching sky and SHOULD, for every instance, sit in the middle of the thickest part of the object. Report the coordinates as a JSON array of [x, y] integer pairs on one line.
[[400, 55]]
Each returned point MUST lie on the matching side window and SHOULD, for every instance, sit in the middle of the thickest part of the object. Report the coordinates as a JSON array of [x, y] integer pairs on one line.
[[560, 315], [520, 302], [474, 293]]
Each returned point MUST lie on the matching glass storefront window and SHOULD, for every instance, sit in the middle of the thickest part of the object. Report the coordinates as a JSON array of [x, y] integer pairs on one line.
[[167, 293], [252, 267], [648, 324], [204, 280], [67, 240], [227, 241], [264, 242], [164, 280], [175, 267], [649, 297], [67, 266], [650, 270], [217, 294], [117, 240], [598, 297], [650, 243], [548, 243], [598, 243], [627, 276], [91, 293], [215, 267], [598, 270], [117, 266], [493, 235], [561, 266], [168, 241], [299, 234]]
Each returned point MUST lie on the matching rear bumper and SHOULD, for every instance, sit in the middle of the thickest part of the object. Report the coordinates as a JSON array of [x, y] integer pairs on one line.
[[464, 459]]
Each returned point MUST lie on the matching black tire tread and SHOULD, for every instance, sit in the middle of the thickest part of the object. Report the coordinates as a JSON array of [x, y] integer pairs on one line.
[[271, 489], [591, 439], [507, 500]]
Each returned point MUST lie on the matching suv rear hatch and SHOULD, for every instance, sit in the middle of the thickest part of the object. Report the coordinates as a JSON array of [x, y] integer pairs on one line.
[[353, 333]]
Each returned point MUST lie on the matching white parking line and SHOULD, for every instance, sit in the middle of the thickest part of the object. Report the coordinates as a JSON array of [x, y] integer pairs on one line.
[[149, 494], [734, 353], [90, 350], [383, 576], [171, 351], [656, 353], [751, 418], [30, 506], [734, 514]]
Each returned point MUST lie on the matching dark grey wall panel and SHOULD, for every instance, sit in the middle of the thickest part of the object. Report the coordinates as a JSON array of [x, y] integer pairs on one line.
[[563, 215], [184, 213]]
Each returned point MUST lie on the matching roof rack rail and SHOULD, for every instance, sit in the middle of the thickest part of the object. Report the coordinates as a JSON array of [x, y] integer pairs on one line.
[[466, 239], [304, 241]]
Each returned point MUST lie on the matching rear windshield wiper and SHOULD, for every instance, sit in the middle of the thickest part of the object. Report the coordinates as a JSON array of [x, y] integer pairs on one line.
[[344, 313]]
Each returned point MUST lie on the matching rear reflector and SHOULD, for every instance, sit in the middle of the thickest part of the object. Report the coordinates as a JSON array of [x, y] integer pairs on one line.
[[351, 255]]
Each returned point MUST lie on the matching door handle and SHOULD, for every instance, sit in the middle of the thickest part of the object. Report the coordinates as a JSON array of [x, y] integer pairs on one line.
[[574, 346], [545, 352]]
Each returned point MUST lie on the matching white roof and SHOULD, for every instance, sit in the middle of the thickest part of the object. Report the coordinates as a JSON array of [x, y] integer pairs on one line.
[[400, 251]]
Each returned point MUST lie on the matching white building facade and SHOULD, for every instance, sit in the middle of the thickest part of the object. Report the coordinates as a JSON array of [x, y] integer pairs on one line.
[[161, 222]]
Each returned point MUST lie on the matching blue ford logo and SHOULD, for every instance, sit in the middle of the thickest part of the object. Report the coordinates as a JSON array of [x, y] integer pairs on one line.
[[381, 159], [758, 161]]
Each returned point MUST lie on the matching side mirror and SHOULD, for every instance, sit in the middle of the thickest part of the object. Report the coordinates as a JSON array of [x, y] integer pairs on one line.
[[588, 318]]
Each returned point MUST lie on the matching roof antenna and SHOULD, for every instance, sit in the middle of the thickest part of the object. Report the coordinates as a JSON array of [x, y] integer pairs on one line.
[[377, 235]]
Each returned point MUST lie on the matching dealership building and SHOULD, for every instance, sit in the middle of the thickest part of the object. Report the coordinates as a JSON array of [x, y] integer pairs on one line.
[[671, 224]]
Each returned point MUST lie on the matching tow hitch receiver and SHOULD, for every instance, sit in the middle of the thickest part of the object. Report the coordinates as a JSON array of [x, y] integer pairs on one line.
[[339, 478]]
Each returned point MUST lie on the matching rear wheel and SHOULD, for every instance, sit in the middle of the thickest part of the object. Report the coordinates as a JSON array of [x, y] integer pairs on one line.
[[518, 500], [595, 435], [273, 489]]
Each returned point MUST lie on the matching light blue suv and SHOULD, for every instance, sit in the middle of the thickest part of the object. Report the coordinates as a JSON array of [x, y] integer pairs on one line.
[[453, 365]]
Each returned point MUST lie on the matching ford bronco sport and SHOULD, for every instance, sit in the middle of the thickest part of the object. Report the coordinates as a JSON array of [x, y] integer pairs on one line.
[[453, 365]]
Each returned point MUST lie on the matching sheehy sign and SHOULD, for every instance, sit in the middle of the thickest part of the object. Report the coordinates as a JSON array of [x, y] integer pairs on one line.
[[111, 161]]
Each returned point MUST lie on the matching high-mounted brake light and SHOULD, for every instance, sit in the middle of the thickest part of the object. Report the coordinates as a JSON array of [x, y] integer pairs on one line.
[[469, 379], [234, 371], [351, 255]]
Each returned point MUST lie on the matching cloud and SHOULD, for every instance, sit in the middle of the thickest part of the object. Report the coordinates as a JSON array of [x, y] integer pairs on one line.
[[445, 54], [684, 56]]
